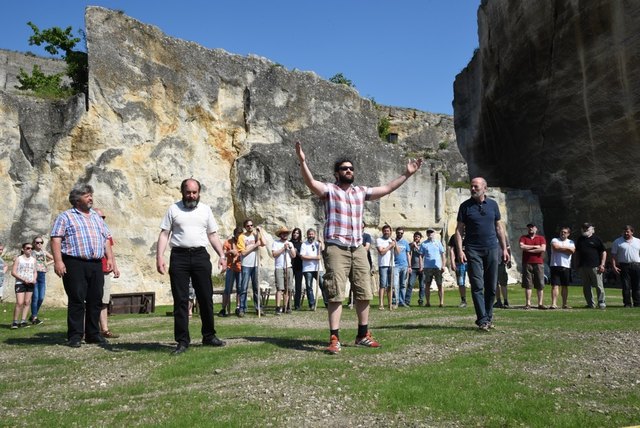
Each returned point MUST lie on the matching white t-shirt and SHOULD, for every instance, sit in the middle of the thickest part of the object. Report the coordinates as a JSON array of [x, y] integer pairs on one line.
[[310, 250], [250, 259], [277, 246], [558, 258], [626, 251], [384, 260], [189, 228]]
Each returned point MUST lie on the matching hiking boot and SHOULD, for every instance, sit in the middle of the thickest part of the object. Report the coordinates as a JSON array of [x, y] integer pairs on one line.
[[334, 345], [367, 341]]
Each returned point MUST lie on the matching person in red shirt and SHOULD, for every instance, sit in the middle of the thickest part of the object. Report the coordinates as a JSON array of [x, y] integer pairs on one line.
[[533, 247]]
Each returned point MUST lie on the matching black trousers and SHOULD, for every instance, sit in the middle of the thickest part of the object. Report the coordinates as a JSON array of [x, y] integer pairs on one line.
[[194, 264], [83, 283], [630, 278]]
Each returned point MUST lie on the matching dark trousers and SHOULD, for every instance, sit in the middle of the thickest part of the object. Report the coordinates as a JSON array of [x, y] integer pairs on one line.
[[297, 296], [194, 264], [482, 266], [630, 278], [83, 283]]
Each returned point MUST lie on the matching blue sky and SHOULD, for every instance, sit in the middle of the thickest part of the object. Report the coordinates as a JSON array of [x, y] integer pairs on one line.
[[402, 53]]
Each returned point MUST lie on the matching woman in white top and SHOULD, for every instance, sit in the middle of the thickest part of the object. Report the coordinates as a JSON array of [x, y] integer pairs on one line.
[[25, 273]]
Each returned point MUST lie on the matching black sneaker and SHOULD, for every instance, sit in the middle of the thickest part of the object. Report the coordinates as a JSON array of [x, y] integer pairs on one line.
[[14, 325], [36, 321], [24, 324], [278, 311]]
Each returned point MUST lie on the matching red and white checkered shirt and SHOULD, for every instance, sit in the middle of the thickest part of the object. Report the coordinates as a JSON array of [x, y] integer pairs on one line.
[[343, 210]]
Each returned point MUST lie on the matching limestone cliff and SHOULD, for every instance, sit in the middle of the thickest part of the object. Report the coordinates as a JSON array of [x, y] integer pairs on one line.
[[161, 110], [551, 102]]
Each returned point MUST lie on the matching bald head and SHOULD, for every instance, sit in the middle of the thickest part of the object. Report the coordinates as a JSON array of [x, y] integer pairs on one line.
[[478, 188]]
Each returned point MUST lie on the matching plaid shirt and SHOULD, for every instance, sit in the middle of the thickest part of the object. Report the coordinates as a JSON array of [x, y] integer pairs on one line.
[[343, 211], [82, 236]]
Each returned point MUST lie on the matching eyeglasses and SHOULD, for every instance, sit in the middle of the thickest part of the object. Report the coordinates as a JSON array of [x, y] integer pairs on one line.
[[346, 168], [39, 242]]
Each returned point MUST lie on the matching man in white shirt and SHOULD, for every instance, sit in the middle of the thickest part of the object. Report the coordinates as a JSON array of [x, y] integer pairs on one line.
[[385, 244], [562, 249], [311, 253], [625, 256], [189, 227], [283, 251]]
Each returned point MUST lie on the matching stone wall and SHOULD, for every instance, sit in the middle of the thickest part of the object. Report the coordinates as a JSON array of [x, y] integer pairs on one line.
[[11, 62]]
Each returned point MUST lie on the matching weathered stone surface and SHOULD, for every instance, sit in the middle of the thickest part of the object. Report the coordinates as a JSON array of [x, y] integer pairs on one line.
[[11, 62], [551, 102], [161, 110]]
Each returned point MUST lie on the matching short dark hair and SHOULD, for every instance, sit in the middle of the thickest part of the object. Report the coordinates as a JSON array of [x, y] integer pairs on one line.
[[340, 161], [244, 223], [183, 185], [78, 191], [629, 227]]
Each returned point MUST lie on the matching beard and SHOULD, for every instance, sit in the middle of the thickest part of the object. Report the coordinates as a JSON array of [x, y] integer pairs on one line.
[[344, 179], [191, 204]]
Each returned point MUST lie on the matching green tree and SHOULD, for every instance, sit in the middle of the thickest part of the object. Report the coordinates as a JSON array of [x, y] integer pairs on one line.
[[60, 42], [340, 79]]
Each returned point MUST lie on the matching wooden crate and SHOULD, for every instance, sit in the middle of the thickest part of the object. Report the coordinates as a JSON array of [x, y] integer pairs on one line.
[[132, 303]]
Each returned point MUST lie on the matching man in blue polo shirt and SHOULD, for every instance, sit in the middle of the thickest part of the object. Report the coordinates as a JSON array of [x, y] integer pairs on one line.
[[484, 242]]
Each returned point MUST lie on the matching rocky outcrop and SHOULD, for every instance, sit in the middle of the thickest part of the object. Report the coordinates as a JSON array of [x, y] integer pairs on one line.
[[161, 110], [551, 102]]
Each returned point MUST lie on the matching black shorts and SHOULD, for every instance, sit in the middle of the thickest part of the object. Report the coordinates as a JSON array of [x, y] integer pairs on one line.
[[21, 287], [560, 275]]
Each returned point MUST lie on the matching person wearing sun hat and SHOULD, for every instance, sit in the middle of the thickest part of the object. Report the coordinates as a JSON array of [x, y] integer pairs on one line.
[[283, 252]]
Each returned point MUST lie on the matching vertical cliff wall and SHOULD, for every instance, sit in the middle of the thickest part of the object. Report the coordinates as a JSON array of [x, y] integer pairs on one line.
[[551, 102]]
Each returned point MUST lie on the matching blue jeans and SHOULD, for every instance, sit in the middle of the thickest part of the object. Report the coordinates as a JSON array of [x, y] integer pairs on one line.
[[400, 283], [415, 274], [482, 266], [461, 272], [249, 272], [230, 278], [308, 281], [38, 294]]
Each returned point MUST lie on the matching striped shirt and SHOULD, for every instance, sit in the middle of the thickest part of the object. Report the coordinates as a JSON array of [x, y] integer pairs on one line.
[[343, 210], [82, 236]]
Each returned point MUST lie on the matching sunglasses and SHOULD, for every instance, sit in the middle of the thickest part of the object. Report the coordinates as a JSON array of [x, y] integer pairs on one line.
[[39, 242], [28, 248], [346, 168], [249, 225]]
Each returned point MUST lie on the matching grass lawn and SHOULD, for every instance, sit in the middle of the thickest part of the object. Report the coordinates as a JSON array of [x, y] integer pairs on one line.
[[573, 368]]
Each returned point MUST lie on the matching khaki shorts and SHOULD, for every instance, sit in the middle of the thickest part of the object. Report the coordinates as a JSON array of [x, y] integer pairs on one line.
[[533, 276], [342, 264], [279, 273], [106, 294]]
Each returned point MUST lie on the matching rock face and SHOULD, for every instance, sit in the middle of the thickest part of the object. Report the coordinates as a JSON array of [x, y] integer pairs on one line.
[[551, 102], [161, 110]]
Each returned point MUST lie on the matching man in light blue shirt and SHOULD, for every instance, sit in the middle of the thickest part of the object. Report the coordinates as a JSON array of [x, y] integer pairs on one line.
[[401, 267], [433, 262]]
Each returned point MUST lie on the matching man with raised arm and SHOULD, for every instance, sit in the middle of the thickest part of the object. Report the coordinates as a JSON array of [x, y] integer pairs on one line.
[[344, 256]]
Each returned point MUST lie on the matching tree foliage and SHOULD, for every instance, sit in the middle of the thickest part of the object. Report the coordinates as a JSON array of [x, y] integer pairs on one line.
[[340, 79], [60, 42]]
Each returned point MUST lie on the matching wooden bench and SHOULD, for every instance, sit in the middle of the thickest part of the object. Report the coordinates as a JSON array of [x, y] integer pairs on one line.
[[132, 303]]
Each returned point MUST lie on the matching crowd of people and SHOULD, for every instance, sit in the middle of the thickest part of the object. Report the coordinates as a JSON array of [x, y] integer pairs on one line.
[[82, 256]]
